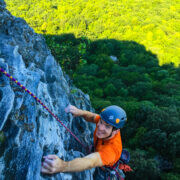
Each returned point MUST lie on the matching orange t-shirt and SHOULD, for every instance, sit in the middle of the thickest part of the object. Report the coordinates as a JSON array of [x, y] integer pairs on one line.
[[109, 150]]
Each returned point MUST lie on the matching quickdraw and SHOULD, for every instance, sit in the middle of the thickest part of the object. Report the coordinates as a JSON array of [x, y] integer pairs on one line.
[[44, 106]]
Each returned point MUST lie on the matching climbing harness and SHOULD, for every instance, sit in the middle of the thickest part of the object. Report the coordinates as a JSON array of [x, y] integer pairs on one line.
[[115, 172], [120, 166], [44, 106]]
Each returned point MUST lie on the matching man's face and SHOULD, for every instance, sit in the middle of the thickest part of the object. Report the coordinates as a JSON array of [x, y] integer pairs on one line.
[[103, 129]]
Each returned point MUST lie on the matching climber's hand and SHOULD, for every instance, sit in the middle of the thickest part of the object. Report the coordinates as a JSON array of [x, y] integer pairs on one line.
[[52, 164], [74, 110]]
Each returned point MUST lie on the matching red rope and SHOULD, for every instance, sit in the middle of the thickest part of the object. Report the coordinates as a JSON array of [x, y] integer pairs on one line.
[[117, 174], [44, 106]]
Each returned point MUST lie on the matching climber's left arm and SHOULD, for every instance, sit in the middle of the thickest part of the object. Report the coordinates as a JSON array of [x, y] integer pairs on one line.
[[53, 164]]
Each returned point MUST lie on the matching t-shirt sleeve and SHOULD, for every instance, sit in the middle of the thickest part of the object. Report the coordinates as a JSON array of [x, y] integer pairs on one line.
[[108, 156], [97, 118]]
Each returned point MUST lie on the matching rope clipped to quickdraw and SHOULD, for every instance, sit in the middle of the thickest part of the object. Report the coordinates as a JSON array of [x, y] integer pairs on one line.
[[44, 106]]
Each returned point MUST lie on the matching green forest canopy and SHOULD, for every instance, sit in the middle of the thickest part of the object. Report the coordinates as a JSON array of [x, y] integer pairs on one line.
[[84, 37], [154, 24]]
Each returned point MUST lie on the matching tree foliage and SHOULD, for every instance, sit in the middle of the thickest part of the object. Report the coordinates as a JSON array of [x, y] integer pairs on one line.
[[155, 24]]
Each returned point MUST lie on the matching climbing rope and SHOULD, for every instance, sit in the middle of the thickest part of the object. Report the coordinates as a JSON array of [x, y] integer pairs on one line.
[[44, 106]]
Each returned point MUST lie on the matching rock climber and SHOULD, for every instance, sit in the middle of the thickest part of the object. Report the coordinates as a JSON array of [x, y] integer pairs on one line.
[[107, 142]]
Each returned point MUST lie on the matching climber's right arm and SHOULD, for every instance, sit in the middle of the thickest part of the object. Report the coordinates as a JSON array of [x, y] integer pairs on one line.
[[53, 164], [88, 116]]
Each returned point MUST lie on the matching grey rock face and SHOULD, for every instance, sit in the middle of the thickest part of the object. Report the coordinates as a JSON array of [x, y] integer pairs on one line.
[[2, 3], [29, 131]]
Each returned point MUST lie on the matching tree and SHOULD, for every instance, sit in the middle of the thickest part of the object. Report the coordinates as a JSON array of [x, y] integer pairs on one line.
[[110, 90], [140, 89], [144, 168]]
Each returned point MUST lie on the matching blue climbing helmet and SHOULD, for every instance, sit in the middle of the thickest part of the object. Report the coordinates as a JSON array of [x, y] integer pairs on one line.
[[114, 116]]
